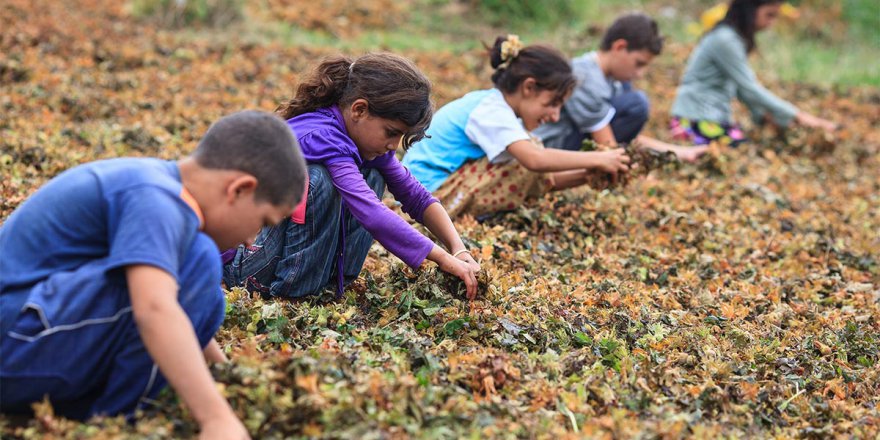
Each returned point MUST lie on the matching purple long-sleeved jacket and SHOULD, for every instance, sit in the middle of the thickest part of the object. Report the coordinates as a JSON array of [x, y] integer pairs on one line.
[[325, 141]]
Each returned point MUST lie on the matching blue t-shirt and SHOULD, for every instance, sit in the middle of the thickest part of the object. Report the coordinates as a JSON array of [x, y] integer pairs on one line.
[[478, 124], [115, 213]]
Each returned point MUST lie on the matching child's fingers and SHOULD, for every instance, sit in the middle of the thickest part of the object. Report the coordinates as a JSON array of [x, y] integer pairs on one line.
[[471, 284]]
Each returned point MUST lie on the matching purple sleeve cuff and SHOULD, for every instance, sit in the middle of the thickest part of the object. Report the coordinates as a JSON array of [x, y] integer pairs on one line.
[[228, 255]]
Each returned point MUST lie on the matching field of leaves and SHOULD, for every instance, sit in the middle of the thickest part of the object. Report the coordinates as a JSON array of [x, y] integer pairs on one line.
[[735, 297]]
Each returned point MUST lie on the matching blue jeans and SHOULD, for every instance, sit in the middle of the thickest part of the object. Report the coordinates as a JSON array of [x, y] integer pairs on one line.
[[72, 337], [631, 111], [292, 260]]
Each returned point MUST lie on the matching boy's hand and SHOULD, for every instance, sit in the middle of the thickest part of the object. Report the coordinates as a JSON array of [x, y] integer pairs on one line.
[[214, 354], [224, 428]]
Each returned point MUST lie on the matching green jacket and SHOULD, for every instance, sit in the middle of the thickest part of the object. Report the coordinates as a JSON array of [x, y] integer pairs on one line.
[[717, 71]]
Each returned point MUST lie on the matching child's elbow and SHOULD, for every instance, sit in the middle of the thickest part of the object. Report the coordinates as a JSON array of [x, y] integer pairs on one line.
[[148, 312], [532, 162]]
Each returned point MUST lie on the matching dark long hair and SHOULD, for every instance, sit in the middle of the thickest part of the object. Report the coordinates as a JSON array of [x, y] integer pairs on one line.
[[550, 69], [393, 87], [741, 16]]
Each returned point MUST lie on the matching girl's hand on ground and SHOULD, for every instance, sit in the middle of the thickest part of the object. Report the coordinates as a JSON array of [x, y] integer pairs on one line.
[[463, 270], [469, 259], [809, 120], [228, 427]]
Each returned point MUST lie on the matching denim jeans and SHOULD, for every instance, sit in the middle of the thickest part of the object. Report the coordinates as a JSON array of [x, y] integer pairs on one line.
[[72, 337], [631, 111], [292, 260]]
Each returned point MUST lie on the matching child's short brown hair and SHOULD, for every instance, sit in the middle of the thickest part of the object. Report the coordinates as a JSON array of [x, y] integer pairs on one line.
[[638, 30], [262, 145]]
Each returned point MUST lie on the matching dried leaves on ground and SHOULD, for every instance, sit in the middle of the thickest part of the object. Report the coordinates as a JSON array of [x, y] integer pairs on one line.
[[737, 296]]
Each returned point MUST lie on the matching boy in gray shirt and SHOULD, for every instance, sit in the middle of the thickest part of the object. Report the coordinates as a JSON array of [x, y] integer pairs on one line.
[[604, 107]]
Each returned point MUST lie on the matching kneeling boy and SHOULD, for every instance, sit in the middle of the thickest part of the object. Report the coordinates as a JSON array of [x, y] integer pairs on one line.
[[604, 107], [110, 274]]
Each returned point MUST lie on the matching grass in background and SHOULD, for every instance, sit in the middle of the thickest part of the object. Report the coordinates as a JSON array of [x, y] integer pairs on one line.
[[790, 59], [791, 52], [811, 55], [864, 17], [180, 13]]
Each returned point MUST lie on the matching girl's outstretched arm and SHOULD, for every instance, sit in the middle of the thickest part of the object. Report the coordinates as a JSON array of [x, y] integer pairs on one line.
[[543, 160], [683, 153]]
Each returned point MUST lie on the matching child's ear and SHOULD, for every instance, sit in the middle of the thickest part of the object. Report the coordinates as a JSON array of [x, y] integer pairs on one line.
[[241, 186], [529, 87], [359, 108], [619, 44]]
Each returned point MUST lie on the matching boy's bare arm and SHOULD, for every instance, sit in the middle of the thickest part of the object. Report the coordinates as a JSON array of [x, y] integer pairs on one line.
[[686, 154], [168, 335], [213, 352], [605, 136]]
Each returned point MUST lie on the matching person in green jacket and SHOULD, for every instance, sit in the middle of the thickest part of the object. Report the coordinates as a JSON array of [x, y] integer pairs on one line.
[[718, 70]]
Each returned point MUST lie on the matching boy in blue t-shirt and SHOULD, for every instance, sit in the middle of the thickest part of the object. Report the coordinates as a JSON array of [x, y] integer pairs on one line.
[[110, 273]]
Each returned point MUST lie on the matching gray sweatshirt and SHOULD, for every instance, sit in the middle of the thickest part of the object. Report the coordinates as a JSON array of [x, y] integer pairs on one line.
[[717, 71]]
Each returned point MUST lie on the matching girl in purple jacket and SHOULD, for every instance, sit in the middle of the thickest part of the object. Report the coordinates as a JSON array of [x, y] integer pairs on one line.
[[350, 117]]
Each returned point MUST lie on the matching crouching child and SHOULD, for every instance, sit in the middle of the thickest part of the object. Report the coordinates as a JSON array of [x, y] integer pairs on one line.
[[110, 279]]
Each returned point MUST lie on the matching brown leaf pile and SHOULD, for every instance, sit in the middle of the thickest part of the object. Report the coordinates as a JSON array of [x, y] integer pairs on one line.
[[734, 297]]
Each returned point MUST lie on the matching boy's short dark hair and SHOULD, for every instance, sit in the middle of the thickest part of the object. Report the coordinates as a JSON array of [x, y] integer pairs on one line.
[[262, 145], [638, 30]]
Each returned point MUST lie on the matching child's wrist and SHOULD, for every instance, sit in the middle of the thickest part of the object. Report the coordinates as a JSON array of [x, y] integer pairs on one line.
[[461, 251], [217, 409]]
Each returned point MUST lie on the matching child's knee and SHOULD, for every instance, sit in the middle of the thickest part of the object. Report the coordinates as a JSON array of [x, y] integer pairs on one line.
[[640, 105]]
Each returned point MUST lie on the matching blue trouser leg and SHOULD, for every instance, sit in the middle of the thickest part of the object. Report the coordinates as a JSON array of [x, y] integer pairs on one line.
[[76, 341], [293, 260], [631, 113], [631, 110], [254, 267]]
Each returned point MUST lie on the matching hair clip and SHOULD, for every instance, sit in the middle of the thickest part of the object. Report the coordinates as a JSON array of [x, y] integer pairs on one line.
[[510, 49]]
